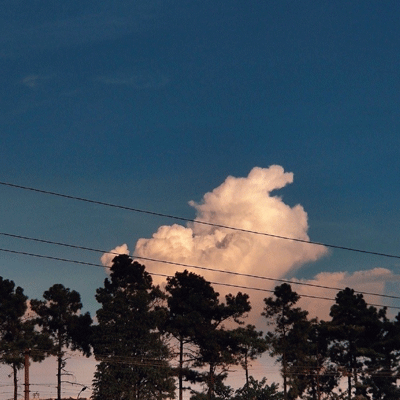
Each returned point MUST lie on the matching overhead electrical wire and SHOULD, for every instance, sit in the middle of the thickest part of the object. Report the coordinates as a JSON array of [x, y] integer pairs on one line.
[[110, 358], [300, 371], [181, 264], [167, 276], [102, 266], [195, 221], [191, 266]]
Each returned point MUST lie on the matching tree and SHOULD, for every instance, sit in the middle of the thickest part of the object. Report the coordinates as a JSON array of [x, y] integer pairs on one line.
[[251, 345], [383, 358], [316, 375], [353, 327], [196, 319], [12, 309], [127, 340], [58, 317], [17, 335], [190, 300], [218, 346], [288, 339], [220, 390], [311, 372], [258, 390]]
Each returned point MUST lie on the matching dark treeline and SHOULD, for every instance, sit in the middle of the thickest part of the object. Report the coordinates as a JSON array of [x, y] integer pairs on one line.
[[155, 344]]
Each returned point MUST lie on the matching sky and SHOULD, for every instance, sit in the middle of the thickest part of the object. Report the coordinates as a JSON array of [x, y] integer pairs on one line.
[[279, 117]]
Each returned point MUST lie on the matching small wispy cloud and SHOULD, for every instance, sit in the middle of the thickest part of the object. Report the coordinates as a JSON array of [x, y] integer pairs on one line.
[[31, 81], [136, 79], [34, 81], [89, 23]]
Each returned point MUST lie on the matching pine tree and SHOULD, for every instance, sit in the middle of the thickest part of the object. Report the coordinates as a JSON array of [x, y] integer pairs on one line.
[[218, 345], [190, 300], [288, 339], [196, 319], [382, 364], [12, 309], [319, 376], [59, 318], [18, 335], [352, 327], [258, 390], [251, 344], [127, 342]]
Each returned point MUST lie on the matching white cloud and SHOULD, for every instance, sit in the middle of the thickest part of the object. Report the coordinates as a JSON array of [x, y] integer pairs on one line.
[[31, 81], [245, 203], [368, 281], [89, 23], [34, 81], [248, 203], [138, 79], [106, 258]]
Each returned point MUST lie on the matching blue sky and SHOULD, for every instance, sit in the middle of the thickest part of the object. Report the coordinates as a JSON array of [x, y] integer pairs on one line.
[[151, 104]]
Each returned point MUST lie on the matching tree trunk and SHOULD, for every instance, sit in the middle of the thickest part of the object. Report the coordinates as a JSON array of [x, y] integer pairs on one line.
[[26, 374], [211, 383], [59, 368], [180, 368], [349, 385], [285, 396], [247, 371], [15, 370]]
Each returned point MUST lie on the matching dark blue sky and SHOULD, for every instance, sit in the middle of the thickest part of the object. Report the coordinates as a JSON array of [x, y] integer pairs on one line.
[[153, 103]]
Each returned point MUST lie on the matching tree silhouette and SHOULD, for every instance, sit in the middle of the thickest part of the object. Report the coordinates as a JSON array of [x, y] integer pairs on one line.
[[352, 321], [251, 345], [58, 316], [17, 334], [190, 299], [288, 339], [218, 346], [127, 342]]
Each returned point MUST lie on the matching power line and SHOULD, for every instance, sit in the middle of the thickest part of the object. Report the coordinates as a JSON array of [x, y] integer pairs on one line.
[[301, 369], [157, 214], [193, 266], [167, 276]]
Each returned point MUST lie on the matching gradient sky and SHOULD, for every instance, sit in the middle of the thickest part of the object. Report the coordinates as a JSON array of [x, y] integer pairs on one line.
[[153, 103]]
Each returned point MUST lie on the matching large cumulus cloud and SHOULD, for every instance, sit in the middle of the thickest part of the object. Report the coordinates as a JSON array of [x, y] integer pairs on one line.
[[246, 203], [250, 204]]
